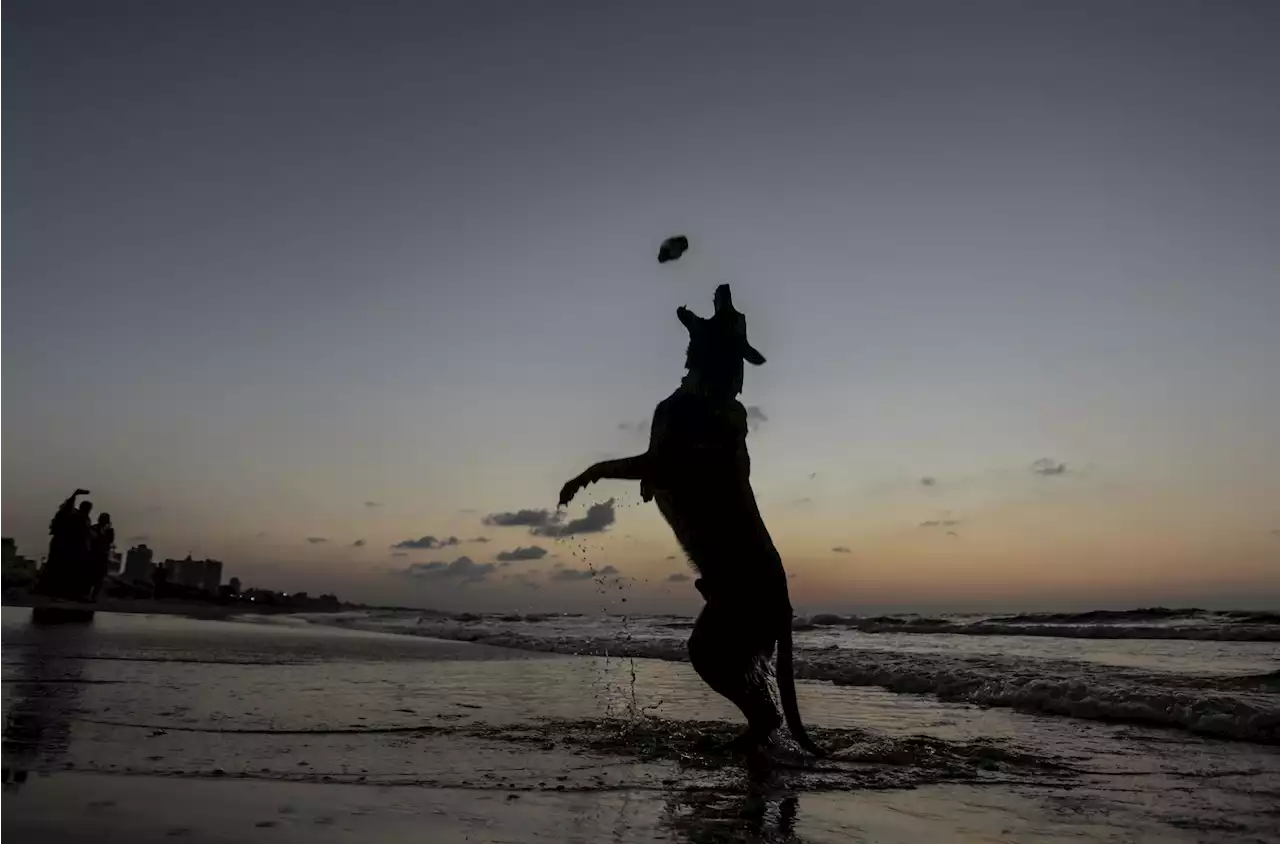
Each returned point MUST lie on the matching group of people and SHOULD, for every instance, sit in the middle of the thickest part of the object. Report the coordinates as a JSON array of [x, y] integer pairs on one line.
[[79, 552]]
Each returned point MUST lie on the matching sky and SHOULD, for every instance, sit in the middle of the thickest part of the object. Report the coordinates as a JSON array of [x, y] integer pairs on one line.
[[313, 288]]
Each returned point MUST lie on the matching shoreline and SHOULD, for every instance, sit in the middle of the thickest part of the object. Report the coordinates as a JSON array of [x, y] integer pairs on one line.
[[148, 606]]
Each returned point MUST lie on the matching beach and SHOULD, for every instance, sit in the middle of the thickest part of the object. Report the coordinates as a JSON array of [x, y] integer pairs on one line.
[[383, 726]]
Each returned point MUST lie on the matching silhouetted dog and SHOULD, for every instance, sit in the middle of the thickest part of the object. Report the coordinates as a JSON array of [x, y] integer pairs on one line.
[[698, 470]]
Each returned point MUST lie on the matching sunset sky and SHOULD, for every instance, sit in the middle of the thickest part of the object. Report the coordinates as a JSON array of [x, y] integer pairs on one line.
[[289, 284]]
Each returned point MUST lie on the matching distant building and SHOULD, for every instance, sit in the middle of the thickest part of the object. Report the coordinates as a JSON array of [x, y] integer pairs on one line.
[[212, 575], [195, 574], [137, 563], [10, 546]]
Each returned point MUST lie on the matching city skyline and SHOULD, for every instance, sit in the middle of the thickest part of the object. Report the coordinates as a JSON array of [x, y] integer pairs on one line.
[[314, 294]]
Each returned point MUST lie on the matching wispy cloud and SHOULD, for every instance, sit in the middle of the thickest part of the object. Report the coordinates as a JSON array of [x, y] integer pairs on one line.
[[533, 552], [928, 480], [139, 537], [1047, 467], [840, 549], [317, 540], [372, 504], [478, 539], [462, 570], [933, 523], [426, 543], [521, 518], [597, 519], [569, 575], [802, 501], [399, 553], [359, 543], [678, 577], [755, 417]]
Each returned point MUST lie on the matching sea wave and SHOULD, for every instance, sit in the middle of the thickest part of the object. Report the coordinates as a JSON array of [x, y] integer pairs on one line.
[[1237, 630], [1228, 707]]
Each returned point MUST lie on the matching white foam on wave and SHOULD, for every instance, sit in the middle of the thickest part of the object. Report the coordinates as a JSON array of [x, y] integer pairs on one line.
[[1240, 708], [1179, 629]]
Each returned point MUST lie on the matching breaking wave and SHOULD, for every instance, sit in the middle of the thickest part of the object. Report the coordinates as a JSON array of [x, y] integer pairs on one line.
[[1243, 707], [1251, 628]]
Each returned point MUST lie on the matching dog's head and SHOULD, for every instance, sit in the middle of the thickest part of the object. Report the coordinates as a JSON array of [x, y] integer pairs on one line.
[[718, 346]]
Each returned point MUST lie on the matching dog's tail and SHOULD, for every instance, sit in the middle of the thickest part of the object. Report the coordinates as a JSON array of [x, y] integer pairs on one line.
[[787, 691]]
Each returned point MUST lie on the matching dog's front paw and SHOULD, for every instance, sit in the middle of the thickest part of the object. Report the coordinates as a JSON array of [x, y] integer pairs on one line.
[[569, 490]]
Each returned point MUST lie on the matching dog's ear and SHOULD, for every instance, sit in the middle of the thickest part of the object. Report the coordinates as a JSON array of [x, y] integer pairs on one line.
[[688, 318]]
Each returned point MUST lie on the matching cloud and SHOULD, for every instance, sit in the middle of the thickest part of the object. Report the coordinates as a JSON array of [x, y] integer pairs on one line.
[[755, 417], [1047, 467], [461, 570], [840, 549], [803, 501], [677, 577], [429, 543], [672, 557], [359, 543], [478, 539], [813, 475], [317, 540], [928, 480], [372, 504], [597, 519], [634, 427], [533, 552], [399, 553], [932, 523], [139, 537], [569, 575], [521, 518], [953, 533]]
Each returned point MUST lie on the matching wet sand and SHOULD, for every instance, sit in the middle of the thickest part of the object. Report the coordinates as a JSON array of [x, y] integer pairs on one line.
[[142, 728], [75, 807]]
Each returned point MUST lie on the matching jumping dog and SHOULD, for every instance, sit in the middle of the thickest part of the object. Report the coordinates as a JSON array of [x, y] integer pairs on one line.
[[698, 471]]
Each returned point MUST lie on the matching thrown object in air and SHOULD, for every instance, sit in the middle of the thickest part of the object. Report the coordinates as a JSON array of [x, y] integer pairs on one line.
[[672, 248]]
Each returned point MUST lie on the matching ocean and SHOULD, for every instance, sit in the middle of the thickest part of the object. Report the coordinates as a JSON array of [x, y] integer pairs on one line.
[[1146, 725]]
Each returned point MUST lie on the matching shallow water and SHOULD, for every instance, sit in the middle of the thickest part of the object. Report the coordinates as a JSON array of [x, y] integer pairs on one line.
[[297, 702]]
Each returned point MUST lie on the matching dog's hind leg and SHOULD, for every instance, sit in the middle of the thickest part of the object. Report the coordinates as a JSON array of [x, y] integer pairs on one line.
[[733, 663]]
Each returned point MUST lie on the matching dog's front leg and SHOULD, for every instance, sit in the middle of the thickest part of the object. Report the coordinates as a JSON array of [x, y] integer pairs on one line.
[[623, 469]]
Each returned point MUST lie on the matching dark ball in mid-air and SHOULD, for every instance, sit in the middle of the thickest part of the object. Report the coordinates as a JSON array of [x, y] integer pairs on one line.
[[672, 248]]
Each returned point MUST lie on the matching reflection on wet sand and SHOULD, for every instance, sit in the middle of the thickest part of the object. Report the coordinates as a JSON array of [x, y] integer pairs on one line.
[[42, 693], [759, 814]]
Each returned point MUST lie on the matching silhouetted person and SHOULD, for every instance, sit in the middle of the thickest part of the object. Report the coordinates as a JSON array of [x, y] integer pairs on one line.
[[68, 549], [102, 538]]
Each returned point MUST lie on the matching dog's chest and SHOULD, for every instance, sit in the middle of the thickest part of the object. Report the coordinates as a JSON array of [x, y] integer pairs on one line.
[[687, 422]]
